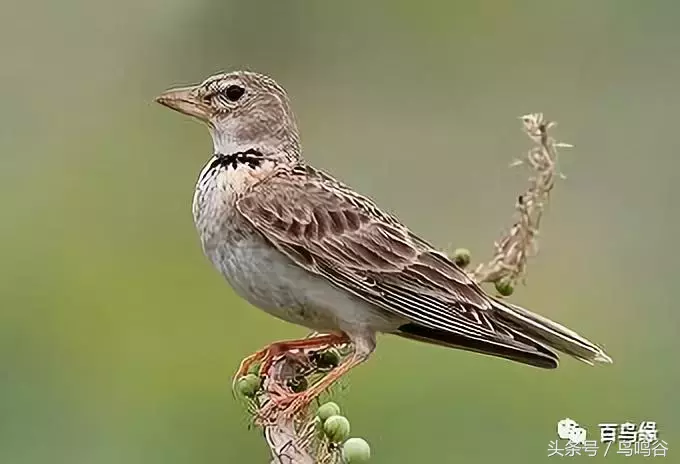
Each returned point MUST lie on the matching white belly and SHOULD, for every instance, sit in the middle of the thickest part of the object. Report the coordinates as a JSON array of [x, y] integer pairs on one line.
[[271, 281], [260, 274]]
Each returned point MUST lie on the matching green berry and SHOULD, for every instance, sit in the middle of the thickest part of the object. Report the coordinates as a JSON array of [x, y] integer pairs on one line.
[[248, 385], [461, 257], [327, 410], [327, 359], [504, 287], [336, 428], [356, 450], [254, 369]]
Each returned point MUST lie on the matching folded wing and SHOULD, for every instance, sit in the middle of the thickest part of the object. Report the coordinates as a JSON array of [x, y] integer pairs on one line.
[[328, 229]]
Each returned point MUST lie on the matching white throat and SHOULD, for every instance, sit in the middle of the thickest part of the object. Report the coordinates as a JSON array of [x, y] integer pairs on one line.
[[224, 143]]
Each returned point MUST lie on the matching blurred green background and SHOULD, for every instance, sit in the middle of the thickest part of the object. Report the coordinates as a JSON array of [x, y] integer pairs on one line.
[[118, 339]]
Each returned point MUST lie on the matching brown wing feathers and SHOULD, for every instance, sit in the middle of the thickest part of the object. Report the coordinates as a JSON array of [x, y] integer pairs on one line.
[[331, 231]]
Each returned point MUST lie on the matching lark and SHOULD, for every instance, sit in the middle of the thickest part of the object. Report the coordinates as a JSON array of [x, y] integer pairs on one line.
[[308, 249]]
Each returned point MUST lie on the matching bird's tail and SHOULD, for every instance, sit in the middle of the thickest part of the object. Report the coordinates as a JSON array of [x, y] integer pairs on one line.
[[517, 334], [549, 333]]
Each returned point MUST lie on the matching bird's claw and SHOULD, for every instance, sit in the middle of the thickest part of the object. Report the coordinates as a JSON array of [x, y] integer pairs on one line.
[[288, 405], [248, 362]]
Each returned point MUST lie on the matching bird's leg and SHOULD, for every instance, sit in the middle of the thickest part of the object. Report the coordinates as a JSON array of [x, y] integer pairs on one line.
[[276, 349], [267, 354], [302, 400]]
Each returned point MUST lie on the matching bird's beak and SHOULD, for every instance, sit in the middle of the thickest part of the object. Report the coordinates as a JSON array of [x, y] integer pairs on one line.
[[185, 101]]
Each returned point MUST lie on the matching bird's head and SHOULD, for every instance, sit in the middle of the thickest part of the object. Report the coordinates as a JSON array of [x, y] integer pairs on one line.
[[243, 110]]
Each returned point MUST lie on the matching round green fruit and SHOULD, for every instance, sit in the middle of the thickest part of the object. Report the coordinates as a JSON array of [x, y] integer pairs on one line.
[[327, 410], [248, 385], [336, 428], [461, 257], [504, 287], [356, 450]]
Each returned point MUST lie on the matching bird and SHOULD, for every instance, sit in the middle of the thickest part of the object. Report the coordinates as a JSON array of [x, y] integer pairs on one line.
[[306, 248]]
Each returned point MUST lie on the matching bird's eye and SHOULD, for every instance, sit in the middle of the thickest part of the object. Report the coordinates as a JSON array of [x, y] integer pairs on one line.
[[234, 92]]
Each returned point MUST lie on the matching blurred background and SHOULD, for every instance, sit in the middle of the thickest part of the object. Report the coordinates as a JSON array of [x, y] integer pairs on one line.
[[118, 339]]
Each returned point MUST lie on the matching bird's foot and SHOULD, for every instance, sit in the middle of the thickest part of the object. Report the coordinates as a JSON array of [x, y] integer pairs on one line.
[[287, 405], [267, 355], [262, 356], [298, 404]]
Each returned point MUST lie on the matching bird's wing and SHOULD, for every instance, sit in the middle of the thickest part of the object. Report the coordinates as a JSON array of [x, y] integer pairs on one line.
[[331, 231]]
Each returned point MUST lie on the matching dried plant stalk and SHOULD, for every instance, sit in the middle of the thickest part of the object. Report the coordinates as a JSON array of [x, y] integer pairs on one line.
[[293, 440], [297, 439], [514, 248], [288, 439]]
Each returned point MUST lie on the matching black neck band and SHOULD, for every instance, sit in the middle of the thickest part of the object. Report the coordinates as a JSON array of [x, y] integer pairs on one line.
[[250, 157]]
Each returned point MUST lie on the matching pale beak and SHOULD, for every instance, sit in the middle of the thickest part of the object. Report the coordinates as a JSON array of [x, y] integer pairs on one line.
[[185, 101]]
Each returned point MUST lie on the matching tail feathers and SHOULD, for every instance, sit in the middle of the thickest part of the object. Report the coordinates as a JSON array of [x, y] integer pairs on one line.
[[518, 335], [519, 349], [549, 333]]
